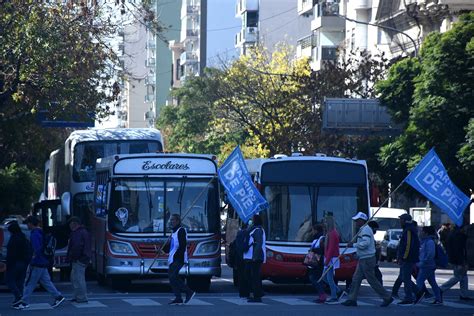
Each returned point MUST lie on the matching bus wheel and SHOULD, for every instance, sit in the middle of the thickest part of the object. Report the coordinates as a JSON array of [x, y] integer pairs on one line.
[[199, 283]]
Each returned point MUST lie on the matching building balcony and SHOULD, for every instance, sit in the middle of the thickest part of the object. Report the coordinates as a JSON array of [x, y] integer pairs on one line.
[[246, 35], [150, 80], [150, 62], [151, 45], [304, 46], [245, 5], [305, 7], [190, 10], [192, 34], [328, 22], [188, 57]]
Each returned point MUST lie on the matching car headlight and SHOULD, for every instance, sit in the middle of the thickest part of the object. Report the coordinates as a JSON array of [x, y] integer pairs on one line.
[[121, 248], [207, 248]]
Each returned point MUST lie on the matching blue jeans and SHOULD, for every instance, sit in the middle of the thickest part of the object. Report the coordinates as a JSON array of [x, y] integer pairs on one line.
[[428, 274], [330, 280], [35, 275], [15, 278], [459, 275], [405, 273]]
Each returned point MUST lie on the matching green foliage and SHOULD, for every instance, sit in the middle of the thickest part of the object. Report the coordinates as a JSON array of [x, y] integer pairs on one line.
[[20, 187], [437, 94]]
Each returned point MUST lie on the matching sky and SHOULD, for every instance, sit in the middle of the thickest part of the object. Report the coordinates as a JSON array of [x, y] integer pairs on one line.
[[222, 25]]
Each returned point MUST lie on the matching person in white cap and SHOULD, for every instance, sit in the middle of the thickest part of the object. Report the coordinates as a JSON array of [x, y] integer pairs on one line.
[[365, 246]]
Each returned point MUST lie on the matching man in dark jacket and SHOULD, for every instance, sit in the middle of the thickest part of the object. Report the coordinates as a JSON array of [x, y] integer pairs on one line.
[[79, 255], [254, 257], [177, 257], [457, 256], [408, 256], [18, 258], [38, 269], [242, 281]]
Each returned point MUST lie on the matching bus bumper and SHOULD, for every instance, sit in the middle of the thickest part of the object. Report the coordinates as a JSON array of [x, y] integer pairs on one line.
[[133, 266]]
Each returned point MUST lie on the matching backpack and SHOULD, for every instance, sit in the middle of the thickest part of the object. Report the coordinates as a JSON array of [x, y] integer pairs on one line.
[[49, 245], [441, 258]]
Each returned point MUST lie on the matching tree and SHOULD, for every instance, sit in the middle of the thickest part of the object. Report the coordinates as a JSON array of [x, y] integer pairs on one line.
[[434, 98], [55, 60]]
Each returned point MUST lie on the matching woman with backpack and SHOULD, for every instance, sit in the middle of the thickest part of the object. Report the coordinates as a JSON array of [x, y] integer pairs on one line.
[[18, 257], [427, 265]]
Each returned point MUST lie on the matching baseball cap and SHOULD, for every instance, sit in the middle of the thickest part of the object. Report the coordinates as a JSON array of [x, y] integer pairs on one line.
[[406, 217], [31, 219], [360, 215]]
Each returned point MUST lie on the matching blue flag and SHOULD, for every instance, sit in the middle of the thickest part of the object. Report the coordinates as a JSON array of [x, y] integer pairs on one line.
[[431, 179], [242, 193]]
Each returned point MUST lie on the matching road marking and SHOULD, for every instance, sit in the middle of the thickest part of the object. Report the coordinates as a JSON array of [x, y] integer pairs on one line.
[[239, 301], [196, 301], [292, 301], [38, 306], [141, 302], [90, 304], [457, 305]]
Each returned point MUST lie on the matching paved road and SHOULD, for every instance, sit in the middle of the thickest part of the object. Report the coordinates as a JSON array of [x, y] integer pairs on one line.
[[150, 297]]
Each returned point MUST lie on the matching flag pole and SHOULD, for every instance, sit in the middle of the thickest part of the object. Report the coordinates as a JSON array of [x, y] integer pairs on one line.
[[358, 232]]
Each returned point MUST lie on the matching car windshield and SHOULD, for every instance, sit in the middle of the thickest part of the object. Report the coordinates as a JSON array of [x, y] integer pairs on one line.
[[294, 209], [141, 206], [396, 235], [87, 153]]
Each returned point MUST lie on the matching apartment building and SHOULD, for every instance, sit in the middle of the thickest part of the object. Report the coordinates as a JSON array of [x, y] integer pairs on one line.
[[159, 79], [395, 27], [268, 23], [189, 52]]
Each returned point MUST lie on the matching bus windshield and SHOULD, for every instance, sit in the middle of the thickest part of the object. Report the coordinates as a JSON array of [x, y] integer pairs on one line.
[[295, 208], [87, 153], [145, 205]]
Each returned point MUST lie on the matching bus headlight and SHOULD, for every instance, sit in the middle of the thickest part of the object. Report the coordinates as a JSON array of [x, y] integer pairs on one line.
[[207, 248], [121, 248], [269, 254]]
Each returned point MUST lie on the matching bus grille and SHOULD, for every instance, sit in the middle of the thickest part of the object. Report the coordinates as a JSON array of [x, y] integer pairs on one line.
[[149, 250]]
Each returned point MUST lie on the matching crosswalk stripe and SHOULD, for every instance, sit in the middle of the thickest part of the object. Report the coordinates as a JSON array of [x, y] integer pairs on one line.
[[239, 301], [196, 301], [39, 306], [292, 301], [141, 302], [90, 304], [457, 305]]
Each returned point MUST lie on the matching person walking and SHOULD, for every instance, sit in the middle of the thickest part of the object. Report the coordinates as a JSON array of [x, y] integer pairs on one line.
[[407, 257], [315, 272], [374, 226], [18, 258], [37, 270], [331, 258], [177, 257], [239, 244], [365, 246], [79, 255], [427, 265], [255, 256], [457, 257]]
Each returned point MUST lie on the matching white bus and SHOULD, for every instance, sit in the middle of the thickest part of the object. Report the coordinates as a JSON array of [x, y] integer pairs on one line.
[[300, 190], [135, 197], [70, 175]]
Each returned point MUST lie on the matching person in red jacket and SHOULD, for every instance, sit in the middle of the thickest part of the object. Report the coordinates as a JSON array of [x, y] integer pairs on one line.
[[331, 258]]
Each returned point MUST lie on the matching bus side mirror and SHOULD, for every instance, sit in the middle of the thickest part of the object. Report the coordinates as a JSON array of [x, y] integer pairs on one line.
[[66, 203]]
